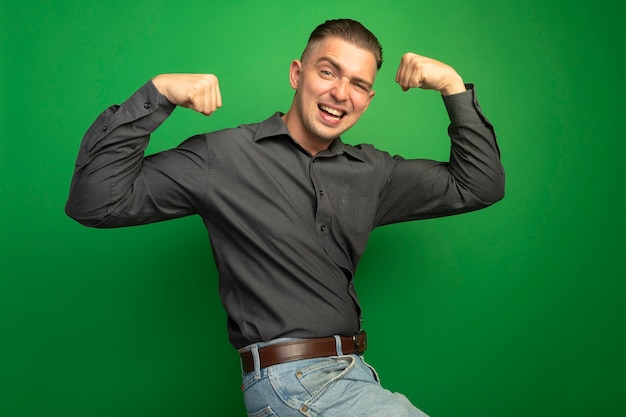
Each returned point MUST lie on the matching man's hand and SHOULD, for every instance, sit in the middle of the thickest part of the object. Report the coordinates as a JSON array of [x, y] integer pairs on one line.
[[416, 71], [199, 92]]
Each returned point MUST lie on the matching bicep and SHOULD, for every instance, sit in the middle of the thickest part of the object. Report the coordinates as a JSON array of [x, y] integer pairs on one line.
[[420, 189], [169, 185]]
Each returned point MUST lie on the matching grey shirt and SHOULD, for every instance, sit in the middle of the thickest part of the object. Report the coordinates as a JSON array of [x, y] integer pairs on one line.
[[287, 229]]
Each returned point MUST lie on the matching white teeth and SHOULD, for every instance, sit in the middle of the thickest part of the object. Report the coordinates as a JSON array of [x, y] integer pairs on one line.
[[334, 112]]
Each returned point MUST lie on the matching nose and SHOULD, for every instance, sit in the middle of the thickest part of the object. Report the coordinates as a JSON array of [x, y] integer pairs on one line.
[[340, 89]]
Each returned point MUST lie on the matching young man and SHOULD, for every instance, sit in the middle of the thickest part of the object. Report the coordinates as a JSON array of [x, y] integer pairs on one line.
[[289, 208]]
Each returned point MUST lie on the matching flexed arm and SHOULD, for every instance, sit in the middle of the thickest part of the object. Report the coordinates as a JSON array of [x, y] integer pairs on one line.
[[473, 177], [114, 184]]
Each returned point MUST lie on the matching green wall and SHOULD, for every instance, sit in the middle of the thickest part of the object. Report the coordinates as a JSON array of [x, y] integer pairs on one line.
[[512, 311]]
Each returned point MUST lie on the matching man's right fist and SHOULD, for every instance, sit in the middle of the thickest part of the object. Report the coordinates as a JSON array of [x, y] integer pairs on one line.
[[199, 92]]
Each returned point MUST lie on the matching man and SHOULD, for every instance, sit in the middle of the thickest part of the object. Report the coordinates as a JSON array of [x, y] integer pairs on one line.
[[289, 208]]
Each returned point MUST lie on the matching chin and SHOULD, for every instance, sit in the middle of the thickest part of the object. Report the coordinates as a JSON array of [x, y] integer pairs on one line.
[[326, 136], [330, 134]]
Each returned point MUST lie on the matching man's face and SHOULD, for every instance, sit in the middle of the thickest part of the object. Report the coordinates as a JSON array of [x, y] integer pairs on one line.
[[334, 87]]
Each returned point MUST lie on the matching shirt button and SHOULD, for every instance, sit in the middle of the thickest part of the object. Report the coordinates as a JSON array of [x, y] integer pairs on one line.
[[147, 105], [105, 128], [321, 192], [323, 228]]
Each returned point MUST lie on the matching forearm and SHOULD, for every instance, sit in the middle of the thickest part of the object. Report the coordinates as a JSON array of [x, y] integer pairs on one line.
[[475, 156], [111, 153]]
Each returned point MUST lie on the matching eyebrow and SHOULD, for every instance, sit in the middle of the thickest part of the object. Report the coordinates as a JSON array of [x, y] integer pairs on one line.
[[336, 64]]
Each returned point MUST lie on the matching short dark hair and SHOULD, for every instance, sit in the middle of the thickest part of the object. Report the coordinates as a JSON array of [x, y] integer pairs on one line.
[[350, 31]]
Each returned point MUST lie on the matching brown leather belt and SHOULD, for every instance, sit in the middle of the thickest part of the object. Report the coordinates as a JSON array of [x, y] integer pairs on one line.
[[304, 349]]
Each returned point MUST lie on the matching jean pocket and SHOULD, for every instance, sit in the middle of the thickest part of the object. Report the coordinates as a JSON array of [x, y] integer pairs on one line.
[[317, 376], [298, 382], [264, 412]]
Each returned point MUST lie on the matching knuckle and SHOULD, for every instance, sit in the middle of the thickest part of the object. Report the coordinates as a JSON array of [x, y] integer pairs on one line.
[[211, 79]]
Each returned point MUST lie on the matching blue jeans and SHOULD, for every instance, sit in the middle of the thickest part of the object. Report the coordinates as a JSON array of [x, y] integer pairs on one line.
[[337, 386]]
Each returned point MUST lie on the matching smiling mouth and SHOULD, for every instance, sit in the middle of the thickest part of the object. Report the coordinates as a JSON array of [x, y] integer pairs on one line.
[[336, 114]]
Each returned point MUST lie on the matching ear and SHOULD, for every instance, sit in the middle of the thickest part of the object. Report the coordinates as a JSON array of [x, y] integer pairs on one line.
[[369, 99], [295, 70]]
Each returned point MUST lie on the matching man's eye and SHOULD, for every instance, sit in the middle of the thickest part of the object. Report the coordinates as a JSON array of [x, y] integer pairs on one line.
[[327, 73]]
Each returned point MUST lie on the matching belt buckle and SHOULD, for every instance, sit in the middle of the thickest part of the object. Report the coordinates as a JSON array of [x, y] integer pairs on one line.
[[355, 340]]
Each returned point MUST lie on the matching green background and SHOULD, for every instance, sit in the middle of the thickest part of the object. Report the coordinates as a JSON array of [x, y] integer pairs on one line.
[[515, 310]]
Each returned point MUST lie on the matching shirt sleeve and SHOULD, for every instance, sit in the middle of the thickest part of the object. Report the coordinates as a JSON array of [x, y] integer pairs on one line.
[[115, 185], [473, 178]]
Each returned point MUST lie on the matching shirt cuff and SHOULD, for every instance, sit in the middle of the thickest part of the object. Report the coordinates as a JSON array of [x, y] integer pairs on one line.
[[148, 100], [463, 106]]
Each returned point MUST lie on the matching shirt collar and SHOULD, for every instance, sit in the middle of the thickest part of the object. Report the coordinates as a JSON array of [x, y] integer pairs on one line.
[[274, 126]]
